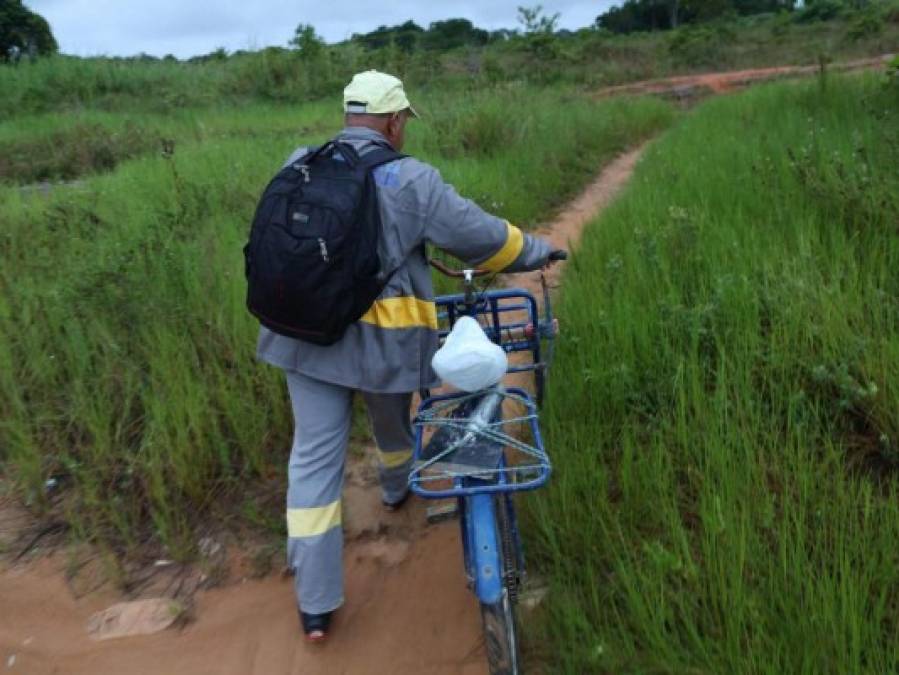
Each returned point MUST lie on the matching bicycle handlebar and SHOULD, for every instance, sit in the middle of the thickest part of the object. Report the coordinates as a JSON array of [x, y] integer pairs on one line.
[[555, 256], [455, 274]]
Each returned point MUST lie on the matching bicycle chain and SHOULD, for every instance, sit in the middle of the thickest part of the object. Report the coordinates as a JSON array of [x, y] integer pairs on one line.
[[511, 576]]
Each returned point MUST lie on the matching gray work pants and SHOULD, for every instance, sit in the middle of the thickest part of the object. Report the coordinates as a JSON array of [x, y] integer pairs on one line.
[[322, 414]]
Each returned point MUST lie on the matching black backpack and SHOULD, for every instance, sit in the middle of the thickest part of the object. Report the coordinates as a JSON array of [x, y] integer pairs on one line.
[[312, 261]]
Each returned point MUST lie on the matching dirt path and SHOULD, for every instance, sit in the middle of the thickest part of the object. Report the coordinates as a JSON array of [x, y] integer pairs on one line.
[[565, 230], [687, 86], [407, 609]]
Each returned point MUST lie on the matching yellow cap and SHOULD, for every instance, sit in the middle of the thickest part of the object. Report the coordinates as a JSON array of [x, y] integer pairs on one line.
[[371, 93]]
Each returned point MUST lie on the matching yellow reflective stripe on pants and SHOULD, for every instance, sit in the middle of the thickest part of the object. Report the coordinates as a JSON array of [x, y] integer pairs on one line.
[[312, 521], [391, 460], [507, 253], [402, 312]]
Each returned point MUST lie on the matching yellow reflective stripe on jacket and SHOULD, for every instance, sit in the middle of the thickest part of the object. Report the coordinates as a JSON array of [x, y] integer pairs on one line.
[[312, 521], [391, 460], [402, 312], [509, 251]]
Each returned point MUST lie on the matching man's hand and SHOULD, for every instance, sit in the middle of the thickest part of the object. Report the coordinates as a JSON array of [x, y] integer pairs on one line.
[[554, 257]]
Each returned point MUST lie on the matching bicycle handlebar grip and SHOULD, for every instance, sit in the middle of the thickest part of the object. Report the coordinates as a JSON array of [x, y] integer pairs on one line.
[[557, 255]]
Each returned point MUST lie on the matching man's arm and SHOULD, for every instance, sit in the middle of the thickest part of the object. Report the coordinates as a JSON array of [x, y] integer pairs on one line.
[[462, 228]]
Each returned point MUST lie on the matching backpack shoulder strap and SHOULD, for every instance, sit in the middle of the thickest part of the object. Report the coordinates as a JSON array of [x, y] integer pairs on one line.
[[380, 155], [314, 153]]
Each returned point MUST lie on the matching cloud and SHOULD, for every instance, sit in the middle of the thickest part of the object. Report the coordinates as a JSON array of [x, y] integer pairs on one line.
[[190, 27]]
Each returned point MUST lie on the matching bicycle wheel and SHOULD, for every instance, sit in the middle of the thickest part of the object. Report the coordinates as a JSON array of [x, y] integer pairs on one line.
[[499, 617], [499, 636], [540, 385]]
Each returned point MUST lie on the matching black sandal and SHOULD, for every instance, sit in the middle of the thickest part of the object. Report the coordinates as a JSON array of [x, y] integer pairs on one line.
[[315, 626]]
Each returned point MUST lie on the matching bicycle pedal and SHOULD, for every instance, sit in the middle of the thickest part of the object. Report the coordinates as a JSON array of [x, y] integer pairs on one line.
[[442, 512]]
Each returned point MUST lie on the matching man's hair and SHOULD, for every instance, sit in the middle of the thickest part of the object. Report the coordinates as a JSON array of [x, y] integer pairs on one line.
[[376, 121], [371, 116]]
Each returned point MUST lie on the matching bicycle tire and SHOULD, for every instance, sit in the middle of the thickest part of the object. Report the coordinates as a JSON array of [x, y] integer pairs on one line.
[[500, 635], [540, 385]]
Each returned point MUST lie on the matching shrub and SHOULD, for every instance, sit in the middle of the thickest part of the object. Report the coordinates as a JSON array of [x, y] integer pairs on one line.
[[893, 74], [865, 24], [480, 131], [699, 45], [891, 12], [64, 155], [780, 25], [820, 10]]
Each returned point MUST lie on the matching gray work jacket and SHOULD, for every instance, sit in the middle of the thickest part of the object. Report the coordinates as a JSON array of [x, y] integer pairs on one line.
[[389, 349]]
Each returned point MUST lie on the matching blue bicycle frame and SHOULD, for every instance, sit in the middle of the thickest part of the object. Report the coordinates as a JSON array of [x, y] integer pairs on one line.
[[480, 492], [477, 500]]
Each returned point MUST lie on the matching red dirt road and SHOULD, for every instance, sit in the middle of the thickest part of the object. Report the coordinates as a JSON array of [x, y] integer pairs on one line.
[[721, 82]]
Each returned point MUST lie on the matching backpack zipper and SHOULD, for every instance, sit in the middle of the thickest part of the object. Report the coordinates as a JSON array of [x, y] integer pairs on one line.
[[323, 248]]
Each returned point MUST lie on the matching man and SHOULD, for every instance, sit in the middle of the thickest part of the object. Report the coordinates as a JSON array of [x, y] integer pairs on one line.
[[386, 355]]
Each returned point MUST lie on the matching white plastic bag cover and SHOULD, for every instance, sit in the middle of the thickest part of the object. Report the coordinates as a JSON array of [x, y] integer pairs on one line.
[[468, 360]]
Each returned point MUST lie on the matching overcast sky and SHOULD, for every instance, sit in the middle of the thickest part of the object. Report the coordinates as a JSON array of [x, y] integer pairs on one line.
[[190, 27]]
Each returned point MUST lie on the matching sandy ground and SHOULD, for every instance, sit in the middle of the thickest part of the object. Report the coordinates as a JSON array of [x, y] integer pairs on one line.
[[407, 609]]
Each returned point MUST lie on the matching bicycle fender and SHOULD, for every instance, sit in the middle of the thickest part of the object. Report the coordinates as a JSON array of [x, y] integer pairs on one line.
[[484, 548]]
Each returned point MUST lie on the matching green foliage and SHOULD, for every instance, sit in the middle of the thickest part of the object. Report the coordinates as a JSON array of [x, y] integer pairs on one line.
[[780, 25], [63, 155], [535, 21], [642, 15], [637, 15], [440, 36], [217, 54], [453, 33], [722, 407], [821, 10], [539, 29], [482, 131], [892, 75], [865, 24], [307, 42], [23, 32], [405, 36], [699, 45], [891, 11], [872, 20]]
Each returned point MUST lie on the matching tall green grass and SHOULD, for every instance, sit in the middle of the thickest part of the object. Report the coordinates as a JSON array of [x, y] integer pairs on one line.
[[724, 406], [127, 368], [64, 83], [55, 146]]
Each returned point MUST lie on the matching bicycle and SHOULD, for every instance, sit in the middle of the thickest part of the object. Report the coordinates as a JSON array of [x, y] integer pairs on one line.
[[481, 447]]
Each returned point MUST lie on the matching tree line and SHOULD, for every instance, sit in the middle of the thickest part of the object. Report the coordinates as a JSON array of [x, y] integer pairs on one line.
[[650, 15], [23, 33]]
